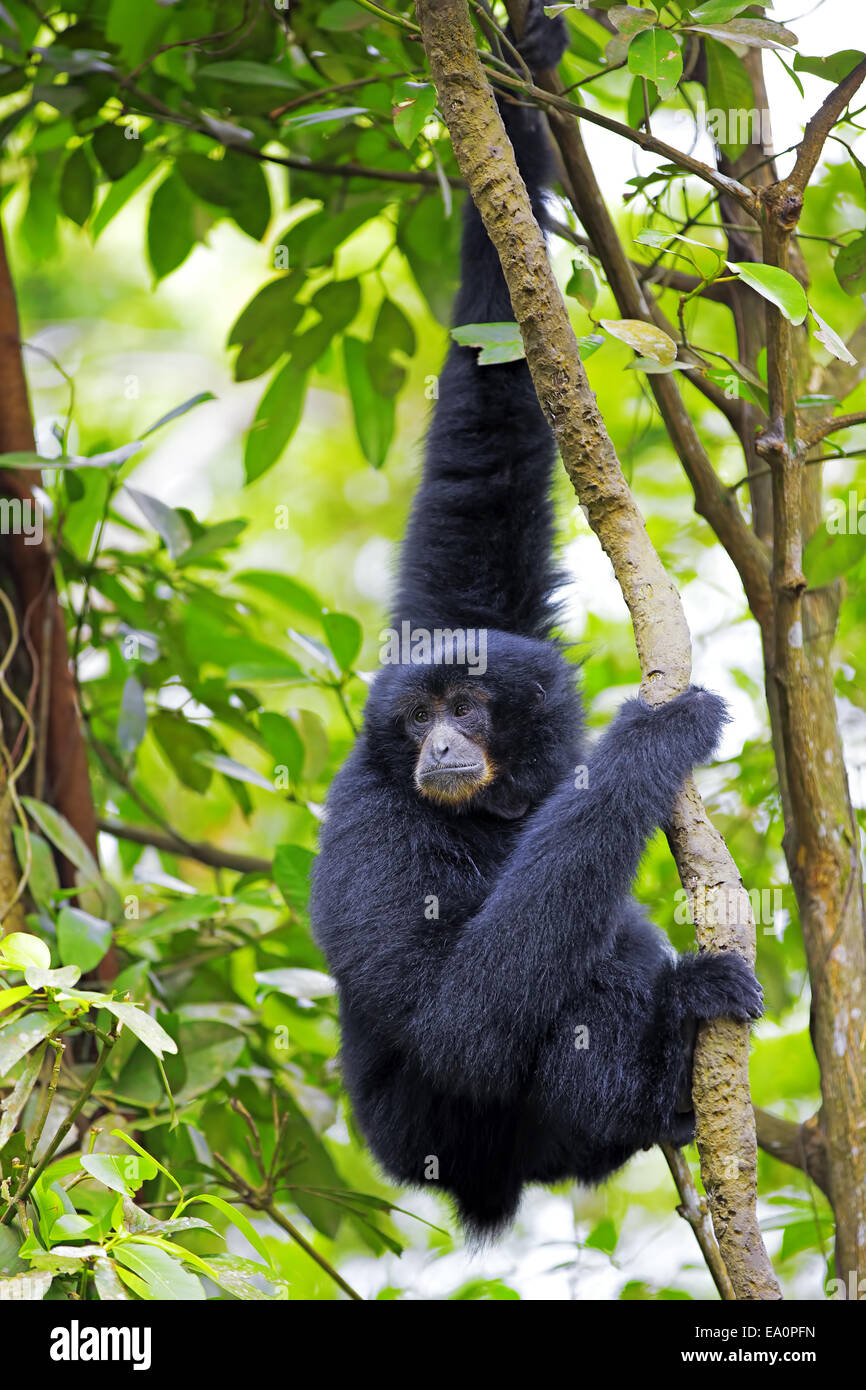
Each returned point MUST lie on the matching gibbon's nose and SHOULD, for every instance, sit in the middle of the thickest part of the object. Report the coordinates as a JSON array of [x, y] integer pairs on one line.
[[441, 747]]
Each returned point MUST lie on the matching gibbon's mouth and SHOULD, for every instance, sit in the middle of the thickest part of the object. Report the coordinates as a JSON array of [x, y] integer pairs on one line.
[[452, 782]]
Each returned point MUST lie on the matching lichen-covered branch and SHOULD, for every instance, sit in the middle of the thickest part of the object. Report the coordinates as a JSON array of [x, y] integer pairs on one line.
[[486, 161]]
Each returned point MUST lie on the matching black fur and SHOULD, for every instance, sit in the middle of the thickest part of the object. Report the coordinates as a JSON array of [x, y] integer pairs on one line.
[[459, 1039]]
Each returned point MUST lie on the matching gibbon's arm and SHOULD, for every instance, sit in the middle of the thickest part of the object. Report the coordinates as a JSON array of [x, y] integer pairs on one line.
[[477, 552], [470, 1002]]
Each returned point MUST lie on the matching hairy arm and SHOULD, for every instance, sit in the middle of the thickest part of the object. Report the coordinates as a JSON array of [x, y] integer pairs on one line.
[[470, 999], [477, 549]]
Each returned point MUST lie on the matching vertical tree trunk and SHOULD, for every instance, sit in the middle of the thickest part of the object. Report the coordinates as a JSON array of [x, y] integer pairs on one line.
[[29, 578]]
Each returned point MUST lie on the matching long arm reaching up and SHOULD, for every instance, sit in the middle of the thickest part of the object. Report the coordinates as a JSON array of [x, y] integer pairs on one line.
[[478, 547]]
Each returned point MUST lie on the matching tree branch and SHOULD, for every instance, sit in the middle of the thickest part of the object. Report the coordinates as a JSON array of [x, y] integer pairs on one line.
[[553, 100], [486, 160], [809, 438], [803, 1146], [713, 500], [819, 127], [695, 1210], [32, 577], [184, 849]]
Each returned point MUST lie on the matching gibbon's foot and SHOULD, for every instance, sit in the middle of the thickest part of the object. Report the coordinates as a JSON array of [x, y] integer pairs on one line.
[[719, 985]]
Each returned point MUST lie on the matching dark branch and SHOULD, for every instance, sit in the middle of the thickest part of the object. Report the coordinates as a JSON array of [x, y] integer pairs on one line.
[[819, 127], [202, 854]]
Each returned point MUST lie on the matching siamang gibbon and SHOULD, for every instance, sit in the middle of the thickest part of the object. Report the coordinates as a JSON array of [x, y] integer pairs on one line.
[[508, 1013]]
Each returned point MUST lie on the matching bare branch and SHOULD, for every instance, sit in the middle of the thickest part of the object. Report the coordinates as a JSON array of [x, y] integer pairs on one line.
[[832, 426], [170, 844], [695, 1210], [712, 500], [819, 127], [551, 100], [803, 1146]]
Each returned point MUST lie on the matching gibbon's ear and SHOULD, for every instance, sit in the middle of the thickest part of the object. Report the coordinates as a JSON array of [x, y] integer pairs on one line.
[[539, 692]]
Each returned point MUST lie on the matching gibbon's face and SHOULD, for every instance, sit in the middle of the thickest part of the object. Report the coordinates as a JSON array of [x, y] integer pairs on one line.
[[466, 742], [451, 732]]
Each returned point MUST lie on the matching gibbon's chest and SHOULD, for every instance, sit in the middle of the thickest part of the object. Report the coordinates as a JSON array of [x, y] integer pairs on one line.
[[473, 854]]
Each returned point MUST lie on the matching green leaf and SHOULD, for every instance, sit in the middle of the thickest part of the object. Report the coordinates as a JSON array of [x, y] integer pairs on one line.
[[283, 742], [730, 99], [207, 1051], [298, 983], [108, 1286], [500, 342], [655, 54], [590, 344], [123, 1173], [833, 67], [180, 741], [237, 771], [413, 104], [582, 285], [374, 414], [176, 917], [392, 334], [831, 340], [284, 589], [213, 538], [341, 17], [718, 11], [850, 266], [292, 864], [754, 33], [276, 420], [628, 19], [237, 1218], [145, 1028], [235, 183], [10, 997], [164, 1277], [334, 113], [829, 555], [171, 232], [82, 940], [43, 883], [63, 979], [337, 302], [132, 722], [18, 1037], [20, 949], [166, 521], [249, 74], [11, 1109], [201, 398], [780, 287], [264, 328], [645, 338], [120, 193], [344, 636], [63, 837], [603, 1237], [117, 149], [77, 186]]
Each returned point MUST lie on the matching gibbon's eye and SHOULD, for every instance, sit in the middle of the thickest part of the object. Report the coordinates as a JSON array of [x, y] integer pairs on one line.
[[462, 709], [421, 716]]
